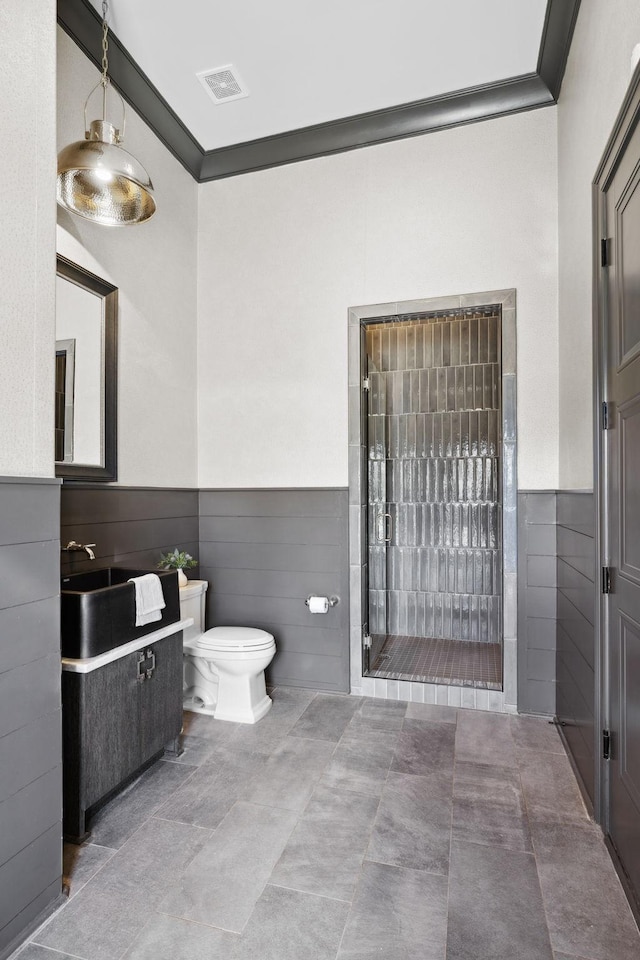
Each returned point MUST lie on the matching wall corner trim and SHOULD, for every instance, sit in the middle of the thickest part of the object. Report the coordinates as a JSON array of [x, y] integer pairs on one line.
[[530, 91]]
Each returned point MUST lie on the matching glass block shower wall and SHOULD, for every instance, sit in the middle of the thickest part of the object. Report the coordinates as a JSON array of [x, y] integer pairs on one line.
[[434, 440]]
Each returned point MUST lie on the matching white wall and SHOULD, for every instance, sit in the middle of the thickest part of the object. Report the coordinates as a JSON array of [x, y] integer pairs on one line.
[[597, 76], [284, 253], [154, 267], [27, 237]]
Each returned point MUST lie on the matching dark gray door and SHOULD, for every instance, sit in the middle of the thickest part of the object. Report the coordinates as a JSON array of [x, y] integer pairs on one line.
[[622, 536]]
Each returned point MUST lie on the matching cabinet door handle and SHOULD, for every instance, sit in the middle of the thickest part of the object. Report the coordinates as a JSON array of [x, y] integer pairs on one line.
[[146, 665]]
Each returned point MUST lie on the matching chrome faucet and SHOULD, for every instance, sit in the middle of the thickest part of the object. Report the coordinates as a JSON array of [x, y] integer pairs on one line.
[[72, 546]]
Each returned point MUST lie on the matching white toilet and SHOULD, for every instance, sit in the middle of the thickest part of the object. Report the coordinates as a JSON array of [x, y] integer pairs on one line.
[[223, 667]]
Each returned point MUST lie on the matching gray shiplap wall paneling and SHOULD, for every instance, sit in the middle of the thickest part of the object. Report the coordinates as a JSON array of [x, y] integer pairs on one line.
[[264, 552], [575, 629], [131, 526], [30, 727], [537, 602]]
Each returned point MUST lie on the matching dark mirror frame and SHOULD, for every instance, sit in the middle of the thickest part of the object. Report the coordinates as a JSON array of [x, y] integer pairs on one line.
[[89, 281]]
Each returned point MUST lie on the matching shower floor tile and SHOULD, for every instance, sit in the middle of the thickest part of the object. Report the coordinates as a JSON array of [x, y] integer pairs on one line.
[[429, 660]]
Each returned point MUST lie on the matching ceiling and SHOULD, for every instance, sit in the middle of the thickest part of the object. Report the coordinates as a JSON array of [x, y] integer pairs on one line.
[[323, 77]]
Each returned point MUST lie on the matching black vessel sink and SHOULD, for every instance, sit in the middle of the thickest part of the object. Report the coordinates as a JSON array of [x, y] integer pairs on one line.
[[98, 609]]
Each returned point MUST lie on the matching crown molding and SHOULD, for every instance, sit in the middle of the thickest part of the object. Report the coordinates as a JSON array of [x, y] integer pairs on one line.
[[82, 23]]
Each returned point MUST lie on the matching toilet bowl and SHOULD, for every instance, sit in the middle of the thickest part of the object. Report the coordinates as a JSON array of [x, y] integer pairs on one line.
[[223, 667]]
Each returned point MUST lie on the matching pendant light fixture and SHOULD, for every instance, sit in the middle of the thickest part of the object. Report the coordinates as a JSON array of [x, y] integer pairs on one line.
[[97, 179]]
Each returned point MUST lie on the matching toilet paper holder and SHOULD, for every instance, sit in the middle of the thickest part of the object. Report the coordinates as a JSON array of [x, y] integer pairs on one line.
[[332, 601]]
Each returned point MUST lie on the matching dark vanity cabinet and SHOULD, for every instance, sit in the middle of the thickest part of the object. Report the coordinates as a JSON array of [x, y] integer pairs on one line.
[[117, 718]]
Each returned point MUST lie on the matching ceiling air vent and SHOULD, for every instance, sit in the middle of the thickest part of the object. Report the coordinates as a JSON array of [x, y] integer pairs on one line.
[[223, 84]]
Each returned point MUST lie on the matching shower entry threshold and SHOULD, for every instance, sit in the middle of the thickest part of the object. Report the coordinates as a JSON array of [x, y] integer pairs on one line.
[[431, 660]]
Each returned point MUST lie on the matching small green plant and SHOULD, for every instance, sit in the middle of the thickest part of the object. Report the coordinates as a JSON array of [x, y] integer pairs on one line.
[[176, 560]]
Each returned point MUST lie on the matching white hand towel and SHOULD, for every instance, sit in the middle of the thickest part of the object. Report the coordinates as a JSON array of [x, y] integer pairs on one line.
[[149, 598]]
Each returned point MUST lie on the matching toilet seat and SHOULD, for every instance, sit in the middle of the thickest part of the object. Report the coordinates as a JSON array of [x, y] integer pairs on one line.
[[227, 639]]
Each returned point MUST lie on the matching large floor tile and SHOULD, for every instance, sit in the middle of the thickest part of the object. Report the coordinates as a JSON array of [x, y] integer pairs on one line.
[[289, 775], [151, 858], [413, 825], [81, 863], [34, 951], [484, 738], [268, 732], [206, 798], [551, 791], [567, 956], [208, 728], [97, 924], [487, 781], [397, 913], [361, 761], [587, 912], [480, 821], [425, 748], [535, 734], [325, 852], [380, 714], [489, 807], [495, 906], [432, 711], [168, 938], [289, 925], [222, 883], [195, 750], [326, 717], [114, 823], [102, 921]]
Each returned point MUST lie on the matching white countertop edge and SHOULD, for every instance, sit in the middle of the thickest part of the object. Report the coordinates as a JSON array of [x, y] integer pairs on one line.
[[93, 663]]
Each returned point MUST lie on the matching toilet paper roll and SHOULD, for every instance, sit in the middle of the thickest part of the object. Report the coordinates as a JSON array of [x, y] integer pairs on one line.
[[318, 604]]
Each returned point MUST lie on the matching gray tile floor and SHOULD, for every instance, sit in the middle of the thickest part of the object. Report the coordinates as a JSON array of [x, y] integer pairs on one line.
[[342, 828]]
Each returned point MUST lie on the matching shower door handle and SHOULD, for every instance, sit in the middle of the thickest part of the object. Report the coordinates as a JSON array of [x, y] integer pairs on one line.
[[385, 527]]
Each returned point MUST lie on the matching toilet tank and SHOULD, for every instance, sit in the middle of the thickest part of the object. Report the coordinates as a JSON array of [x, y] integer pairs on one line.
[[192, 604]]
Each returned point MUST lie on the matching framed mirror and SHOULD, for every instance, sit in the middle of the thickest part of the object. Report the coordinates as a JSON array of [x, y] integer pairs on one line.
[[86, 374]]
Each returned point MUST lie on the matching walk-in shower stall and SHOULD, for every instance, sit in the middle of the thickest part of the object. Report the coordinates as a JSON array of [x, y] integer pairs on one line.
[[432, 429]]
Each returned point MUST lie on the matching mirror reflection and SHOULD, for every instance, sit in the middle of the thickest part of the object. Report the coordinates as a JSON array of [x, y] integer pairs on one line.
[[85, 374]]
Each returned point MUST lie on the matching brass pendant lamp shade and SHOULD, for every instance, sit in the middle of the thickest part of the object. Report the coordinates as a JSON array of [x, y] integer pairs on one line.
[[97, 179]]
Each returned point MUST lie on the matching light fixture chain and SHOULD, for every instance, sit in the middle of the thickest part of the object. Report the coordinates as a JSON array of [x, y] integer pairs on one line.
[[105, 43]]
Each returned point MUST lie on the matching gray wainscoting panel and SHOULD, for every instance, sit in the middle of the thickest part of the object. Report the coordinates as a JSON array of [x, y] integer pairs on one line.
[[575, 629], [30, 725], [537, 579], [264, 552], [131, 526]]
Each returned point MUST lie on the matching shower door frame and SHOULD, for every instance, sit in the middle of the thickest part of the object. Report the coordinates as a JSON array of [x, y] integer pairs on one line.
[[454, 695]]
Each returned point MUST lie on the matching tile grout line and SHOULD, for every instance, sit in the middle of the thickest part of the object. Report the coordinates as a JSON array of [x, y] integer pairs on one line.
[[533, 845], [453, 783]]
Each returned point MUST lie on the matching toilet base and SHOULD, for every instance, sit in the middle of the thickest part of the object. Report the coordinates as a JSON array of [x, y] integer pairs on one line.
[[248, 714]]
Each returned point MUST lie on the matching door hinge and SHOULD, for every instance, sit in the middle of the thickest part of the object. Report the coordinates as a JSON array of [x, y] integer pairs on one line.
[[366, 385], [607, 415], [366, 640], [605, 252], [606, 745], [607, 580]]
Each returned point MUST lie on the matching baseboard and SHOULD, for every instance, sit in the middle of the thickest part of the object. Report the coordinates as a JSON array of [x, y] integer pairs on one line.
[[581, 784], [630, 891], [27, 932]]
